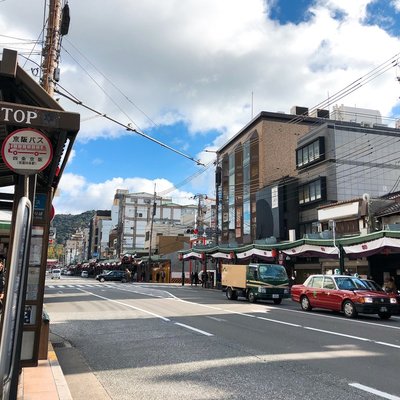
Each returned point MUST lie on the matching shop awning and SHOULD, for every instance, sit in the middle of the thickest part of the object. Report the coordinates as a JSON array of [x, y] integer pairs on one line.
[[192, 254], [257, 252], [308, 250], [374, 246]]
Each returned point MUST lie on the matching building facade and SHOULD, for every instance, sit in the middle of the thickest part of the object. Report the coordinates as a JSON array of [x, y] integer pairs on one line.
[[257, 159], [137, 212], [275, 173]]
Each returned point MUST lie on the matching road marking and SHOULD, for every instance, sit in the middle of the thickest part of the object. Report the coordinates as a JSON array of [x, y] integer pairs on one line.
[[338, 334], [280, 322], [216, 319], [194, 329], [374, 391], [355, 321], [127, 305], [389, 344]]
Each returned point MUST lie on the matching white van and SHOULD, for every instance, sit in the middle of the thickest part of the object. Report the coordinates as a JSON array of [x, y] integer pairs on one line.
[[56, 274]]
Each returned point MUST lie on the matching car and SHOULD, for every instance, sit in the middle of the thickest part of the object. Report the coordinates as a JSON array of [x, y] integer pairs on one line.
[[343, 293], [84, 274], [56, 273], [375, 286], [112, 276]]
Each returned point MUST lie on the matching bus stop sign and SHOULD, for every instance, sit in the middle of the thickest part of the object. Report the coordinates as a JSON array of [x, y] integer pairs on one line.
[[27, 151]]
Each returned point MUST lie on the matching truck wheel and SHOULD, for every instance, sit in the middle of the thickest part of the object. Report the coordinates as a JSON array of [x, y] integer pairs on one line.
[[277, 301], [231, 294], [251, 296]]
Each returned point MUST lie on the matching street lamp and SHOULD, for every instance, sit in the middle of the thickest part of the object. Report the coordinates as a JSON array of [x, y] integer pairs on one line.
[[332, 224]]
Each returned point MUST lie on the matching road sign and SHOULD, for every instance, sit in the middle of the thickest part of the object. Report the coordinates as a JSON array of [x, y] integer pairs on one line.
[[27, 151]]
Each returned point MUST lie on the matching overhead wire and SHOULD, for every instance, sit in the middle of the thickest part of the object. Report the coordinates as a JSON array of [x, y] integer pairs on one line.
[[126, 126]]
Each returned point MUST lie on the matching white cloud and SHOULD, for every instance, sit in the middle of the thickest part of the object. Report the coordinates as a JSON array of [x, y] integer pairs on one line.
[[199, 62], [76, 195]]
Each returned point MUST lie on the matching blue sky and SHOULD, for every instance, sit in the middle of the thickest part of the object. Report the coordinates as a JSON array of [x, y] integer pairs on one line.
[[192, 73]]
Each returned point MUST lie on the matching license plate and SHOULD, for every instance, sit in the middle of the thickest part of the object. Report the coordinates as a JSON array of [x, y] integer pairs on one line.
[[275, 296], [383, 309]]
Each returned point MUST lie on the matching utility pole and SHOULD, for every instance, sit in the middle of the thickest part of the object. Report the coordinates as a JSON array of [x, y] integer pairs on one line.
[[57, 27], [153, 213]]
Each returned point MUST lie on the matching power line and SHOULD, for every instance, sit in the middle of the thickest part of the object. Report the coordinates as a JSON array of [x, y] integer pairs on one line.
[[126, 126]]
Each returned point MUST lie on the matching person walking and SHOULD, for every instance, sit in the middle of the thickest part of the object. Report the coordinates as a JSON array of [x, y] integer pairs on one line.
[[204, 279], [128, 275], [191, 278], [196, 278]]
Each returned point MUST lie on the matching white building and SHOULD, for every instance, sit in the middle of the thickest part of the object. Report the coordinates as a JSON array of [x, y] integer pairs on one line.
[[135, 212]]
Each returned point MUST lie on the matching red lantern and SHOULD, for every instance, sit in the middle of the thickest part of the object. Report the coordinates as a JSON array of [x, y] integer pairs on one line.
[[274, 253], [180, 256], [232, 255]]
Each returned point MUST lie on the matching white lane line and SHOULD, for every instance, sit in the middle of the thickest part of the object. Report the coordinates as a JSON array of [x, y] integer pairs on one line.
[[216, 319], [194, 329], [354, 321], [280, 322], [389, 344], [338, 334], [374, 391], [127, 305]]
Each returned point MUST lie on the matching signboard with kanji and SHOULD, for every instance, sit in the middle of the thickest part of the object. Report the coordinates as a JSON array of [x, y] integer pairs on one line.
[[27, 151]]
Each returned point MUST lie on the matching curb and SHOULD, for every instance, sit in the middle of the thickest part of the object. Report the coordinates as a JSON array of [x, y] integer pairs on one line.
[[58, 375]]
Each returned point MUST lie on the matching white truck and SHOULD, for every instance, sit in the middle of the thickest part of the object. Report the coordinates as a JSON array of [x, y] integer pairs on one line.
[[255, 282]]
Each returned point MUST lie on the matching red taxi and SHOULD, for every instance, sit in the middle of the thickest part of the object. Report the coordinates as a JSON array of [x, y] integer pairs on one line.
[[343, 293]]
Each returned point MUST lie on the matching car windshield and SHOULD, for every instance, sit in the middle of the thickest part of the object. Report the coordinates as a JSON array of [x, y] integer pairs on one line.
[[372, 285], [268, 271], [350, 283]]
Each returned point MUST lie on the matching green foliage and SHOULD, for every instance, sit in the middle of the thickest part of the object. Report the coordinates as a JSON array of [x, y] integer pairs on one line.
[[68, 224]]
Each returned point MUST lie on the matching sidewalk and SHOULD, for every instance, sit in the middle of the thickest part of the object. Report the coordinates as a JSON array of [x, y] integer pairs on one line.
[[44, 382]]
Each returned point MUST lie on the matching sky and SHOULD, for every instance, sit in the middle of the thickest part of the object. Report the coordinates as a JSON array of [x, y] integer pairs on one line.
[[193, 73]]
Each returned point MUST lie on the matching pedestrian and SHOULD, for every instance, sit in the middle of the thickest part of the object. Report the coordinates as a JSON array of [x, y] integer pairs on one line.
[[162, 276], [191, 278], [204, 278], [128, 275], [158, 276], [390, 285], [196, 278]]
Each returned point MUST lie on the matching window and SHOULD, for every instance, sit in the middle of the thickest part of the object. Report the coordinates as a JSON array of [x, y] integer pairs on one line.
[[316, 282], [311, 153], [312, 191], [328, 283]]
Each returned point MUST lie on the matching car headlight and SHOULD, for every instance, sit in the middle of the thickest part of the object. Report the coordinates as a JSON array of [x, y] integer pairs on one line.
[[393, 300], [367, 300]]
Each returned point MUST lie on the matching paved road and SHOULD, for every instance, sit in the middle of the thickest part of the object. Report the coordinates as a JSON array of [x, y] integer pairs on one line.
[[144, 341]]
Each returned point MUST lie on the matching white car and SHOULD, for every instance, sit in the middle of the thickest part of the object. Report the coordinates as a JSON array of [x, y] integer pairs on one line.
[[56, 274]]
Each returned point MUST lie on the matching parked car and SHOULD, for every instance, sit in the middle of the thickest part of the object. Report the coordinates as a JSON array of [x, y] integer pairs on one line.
[[343, 293], [56, 274], [84, 274], [112, 276], [375, 286]]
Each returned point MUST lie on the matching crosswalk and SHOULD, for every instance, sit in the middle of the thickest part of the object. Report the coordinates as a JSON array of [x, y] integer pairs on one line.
[[78, 285]]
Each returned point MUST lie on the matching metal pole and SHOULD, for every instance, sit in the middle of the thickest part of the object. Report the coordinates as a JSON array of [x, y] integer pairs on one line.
[[153, 213], [183, 273]]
